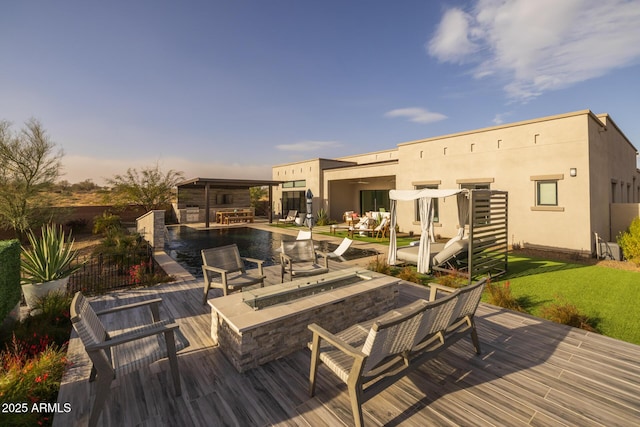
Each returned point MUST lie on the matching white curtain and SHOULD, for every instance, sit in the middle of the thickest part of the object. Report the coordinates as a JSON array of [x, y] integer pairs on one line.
[[463, 212], [425, 205], [391, 257]]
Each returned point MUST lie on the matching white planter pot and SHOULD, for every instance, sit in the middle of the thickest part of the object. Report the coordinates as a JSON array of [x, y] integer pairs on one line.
[[33, 292]]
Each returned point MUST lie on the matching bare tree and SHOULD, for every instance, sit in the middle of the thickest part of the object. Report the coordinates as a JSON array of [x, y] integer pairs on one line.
[[149, 188], [29, 165]]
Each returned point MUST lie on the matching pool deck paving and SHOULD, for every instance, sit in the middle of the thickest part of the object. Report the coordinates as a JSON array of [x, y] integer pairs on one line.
[[531, 372]]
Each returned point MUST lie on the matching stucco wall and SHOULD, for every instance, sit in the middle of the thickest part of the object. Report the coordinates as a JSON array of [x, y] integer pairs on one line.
[[509, 158], [621, 216]]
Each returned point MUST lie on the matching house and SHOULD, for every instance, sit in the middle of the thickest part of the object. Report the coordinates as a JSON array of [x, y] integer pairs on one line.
[[568, 176]]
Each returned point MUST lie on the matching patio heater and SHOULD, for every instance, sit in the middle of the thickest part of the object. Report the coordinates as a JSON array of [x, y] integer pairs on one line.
[[309, 219]]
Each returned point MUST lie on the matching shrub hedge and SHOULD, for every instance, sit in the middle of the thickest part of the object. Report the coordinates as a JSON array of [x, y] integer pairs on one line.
[[9, 276]]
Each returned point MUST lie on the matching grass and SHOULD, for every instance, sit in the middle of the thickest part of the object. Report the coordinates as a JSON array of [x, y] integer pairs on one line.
[[400, 241], [608, 296]]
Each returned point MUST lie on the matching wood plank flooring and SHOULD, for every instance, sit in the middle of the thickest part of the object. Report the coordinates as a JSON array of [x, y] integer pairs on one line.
[[531, 372]]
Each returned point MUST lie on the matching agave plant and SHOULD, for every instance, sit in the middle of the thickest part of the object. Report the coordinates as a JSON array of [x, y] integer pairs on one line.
[[322, 218], [50, 257]]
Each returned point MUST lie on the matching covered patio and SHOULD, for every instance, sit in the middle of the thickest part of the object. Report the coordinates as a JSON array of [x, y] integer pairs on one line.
[[531, 372], [218, 194]]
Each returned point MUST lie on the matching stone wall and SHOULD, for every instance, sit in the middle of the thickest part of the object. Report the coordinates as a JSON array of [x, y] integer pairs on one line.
[[152, 229]]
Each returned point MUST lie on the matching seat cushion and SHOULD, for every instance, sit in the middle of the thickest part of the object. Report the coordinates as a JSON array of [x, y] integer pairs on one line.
[[338, 361]]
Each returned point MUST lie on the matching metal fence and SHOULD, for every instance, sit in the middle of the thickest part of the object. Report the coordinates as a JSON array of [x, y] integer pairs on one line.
[[105, 272]]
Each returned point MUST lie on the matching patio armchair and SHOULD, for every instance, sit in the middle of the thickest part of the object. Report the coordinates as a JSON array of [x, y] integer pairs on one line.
[[290, 218], [115, 355], [300, 258], [224, 268]]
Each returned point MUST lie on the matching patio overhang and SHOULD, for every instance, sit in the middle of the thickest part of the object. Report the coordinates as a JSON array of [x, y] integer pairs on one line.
[[207, 183]]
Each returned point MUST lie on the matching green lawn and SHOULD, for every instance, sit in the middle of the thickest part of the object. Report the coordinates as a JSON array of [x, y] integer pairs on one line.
[[607, 295]]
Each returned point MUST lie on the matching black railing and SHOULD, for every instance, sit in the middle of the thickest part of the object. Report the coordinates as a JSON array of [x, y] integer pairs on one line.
[[101, 273]]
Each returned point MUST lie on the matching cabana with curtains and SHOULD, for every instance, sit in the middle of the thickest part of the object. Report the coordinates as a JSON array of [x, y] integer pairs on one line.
[[485, 211]]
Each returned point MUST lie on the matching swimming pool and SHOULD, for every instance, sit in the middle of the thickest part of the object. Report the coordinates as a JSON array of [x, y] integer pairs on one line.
[[184, 244]]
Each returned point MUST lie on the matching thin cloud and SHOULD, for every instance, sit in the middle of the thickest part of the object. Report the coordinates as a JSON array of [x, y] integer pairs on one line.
[[500, 118], [308, 146], [542, 45], [417, 115]]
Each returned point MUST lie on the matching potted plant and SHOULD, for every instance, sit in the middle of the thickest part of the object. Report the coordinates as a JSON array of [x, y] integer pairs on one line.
[[47, 264]]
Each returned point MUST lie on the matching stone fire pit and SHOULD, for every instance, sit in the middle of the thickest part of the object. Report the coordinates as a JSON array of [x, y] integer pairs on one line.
[[257, 326]]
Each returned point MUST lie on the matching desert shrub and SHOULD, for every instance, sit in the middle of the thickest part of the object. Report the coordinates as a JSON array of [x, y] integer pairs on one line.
[[501, 296], [379, 266], [452, 280], [566, 313], [9, 276], [629, 241], [409, 274], [51, 326], [120, 243], [105, 223]]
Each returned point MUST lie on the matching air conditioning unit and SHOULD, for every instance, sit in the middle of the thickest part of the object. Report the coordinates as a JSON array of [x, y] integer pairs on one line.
[[610, 250]]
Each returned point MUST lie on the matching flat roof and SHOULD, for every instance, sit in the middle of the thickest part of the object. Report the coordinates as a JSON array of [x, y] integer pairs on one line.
[[227, 183]]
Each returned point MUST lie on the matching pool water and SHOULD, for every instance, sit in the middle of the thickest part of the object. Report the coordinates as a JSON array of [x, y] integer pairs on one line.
[[184, 244]]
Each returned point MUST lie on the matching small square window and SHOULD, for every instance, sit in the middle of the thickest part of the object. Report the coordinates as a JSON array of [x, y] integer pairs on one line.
[[547, 193]]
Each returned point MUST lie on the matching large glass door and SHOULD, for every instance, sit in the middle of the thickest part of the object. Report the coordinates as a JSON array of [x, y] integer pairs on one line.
[[294, 200], [373, 200]]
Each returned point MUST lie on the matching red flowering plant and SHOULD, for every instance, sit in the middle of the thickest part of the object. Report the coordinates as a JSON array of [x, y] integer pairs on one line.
[[140, 274], [144, 274], [33, 359]]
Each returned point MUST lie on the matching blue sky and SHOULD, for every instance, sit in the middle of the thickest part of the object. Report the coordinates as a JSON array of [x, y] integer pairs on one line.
[[227, 89]]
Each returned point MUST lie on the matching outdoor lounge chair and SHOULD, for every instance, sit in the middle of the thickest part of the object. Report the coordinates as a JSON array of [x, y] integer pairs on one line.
[[304, 235], [115, 355], [290, 218], [341, 249], [380, 230], [226, 263], [299, 258], [454, 251]]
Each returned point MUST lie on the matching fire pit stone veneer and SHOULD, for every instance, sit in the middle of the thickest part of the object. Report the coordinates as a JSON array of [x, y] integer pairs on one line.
[[250, 337]]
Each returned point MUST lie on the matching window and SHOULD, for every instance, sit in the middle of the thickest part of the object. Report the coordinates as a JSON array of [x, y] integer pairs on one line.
[[297, 184], [436, 209], [475, 186], [547, 193]]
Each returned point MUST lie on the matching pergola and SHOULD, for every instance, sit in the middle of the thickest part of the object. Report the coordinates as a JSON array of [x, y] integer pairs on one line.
[[208, 183]]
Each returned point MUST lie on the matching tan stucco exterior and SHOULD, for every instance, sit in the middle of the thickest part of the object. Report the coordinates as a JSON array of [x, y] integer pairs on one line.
[[512, 157]]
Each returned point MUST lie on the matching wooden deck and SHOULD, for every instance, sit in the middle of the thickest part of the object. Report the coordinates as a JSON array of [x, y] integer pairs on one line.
[[531, 372]]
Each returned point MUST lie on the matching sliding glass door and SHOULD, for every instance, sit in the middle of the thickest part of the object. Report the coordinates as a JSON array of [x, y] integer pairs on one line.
[[374, 200]]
